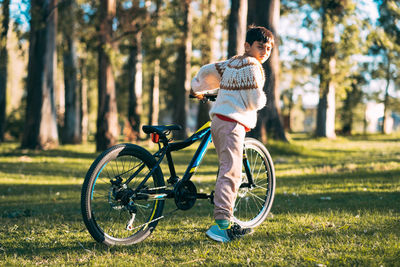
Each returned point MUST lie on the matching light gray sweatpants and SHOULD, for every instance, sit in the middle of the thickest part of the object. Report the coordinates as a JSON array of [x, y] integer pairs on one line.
[[228, 138]]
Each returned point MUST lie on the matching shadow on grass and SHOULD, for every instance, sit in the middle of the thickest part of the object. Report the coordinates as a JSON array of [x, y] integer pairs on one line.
[[51, 153], [38, 200], [41, 169], [341, 178]]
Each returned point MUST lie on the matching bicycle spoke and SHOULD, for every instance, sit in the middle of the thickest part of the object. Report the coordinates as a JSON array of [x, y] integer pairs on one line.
[[256, 196]]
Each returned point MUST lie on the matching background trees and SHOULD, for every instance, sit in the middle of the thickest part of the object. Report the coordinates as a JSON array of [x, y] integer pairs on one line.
[[267, 14], [5, 20], [40, 123], [140, 56]]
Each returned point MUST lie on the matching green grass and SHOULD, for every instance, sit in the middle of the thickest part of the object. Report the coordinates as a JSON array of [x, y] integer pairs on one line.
[[337, 203]]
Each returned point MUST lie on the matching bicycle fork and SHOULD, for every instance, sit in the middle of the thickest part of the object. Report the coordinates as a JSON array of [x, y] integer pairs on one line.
[[250, 182]]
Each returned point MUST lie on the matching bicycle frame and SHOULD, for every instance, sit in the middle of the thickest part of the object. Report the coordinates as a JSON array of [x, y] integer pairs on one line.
[[203, 134]]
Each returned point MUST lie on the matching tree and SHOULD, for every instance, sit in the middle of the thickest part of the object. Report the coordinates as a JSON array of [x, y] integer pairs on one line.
[[107, 116], [3, 65], [154, 105], [326, 106], [207, 48], [267, 14], [386, 46], [237, 27], [135, 85], [40, 124], [181, 108], [350, 72], [72, 130]]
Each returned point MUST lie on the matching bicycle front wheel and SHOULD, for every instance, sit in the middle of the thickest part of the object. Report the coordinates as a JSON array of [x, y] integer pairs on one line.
[[110, 212], [254, 200]]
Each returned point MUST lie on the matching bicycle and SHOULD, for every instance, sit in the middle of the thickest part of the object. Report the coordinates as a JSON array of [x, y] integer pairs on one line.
[[124, 191]]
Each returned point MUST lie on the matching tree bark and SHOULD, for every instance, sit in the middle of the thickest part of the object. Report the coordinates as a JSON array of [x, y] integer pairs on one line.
[[3, 65], [83, 89], [326, 107], [237, 27], [40, 124], [385, 126], [154, 108], [267, 14], [207, 52], [107, 117], [72, 129], [181, 108], [135, 87], [155, 89]]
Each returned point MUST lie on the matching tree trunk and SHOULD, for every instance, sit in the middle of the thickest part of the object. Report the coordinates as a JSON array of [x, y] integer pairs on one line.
[[107, 117], [181, 107], [40, 124], [267, 14], [326, 106], [155, 89], [353, 98], [207, 52], [237, 27], [3, 65], [135, 87], [385, 125], [72, 128], [83, 89]]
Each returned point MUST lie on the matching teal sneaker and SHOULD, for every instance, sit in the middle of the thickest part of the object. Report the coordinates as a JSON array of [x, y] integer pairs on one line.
[[227, 235]]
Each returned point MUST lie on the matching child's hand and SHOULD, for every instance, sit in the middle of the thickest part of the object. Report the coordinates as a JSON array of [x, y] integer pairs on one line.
[[198, 96]]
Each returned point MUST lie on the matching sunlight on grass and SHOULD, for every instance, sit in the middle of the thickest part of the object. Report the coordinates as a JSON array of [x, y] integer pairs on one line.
[[337, 203]]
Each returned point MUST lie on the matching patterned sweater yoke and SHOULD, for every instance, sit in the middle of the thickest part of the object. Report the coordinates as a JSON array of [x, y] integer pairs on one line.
[[240, 81], [241, 73]]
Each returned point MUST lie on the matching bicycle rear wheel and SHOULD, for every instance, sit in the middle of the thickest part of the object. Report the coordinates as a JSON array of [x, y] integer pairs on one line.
[[253, 203], [111, 215]]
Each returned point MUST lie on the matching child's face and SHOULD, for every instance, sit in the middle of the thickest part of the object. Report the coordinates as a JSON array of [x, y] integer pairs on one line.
[[261, 51]]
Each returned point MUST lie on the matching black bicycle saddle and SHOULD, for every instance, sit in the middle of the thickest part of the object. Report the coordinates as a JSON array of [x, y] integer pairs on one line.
[[160, 129]]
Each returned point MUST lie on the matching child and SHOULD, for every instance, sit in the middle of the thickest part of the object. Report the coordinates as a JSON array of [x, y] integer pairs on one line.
[[240, 81]]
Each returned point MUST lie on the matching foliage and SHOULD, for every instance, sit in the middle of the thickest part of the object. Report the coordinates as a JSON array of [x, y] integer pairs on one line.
[[334, 206]]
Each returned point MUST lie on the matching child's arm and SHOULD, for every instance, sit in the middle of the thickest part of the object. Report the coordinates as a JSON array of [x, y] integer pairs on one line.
[[208, 78]]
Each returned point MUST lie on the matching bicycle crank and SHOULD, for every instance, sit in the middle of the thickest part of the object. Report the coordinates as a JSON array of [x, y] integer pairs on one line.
[[185, 194]]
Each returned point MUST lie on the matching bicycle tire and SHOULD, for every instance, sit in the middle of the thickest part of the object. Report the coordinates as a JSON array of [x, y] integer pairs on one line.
[[105, 218], [252, 205]]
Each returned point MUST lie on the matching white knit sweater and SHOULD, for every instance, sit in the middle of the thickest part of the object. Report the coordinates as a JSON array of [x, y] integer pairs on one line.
[[241, 81]]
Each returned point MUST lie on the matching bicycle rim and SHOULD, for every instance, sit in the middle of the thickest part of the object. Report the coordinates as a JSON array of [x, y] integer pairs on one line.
[[110, 217], [253, 204]]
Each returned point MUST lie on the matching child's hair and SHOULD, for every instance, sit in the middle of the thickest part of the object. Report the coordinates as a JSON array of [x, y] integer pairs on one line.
[[259, 34]]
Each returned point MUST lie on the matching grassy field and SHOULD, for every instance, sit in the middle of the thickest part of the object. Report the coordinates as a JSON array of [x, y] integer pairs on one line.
[[337, 203]]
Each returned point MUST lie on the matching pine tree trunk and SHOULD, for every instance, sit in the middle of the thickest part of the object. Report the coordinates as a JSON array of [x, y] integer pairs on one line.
[[207, 52], [135, 87], [181, 108], [326, 107], [237, 27], [83, 89], [155, 89], [3, 65], [385, 125], [72, 128], [40, 124], [267, 14], [107, 117]]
